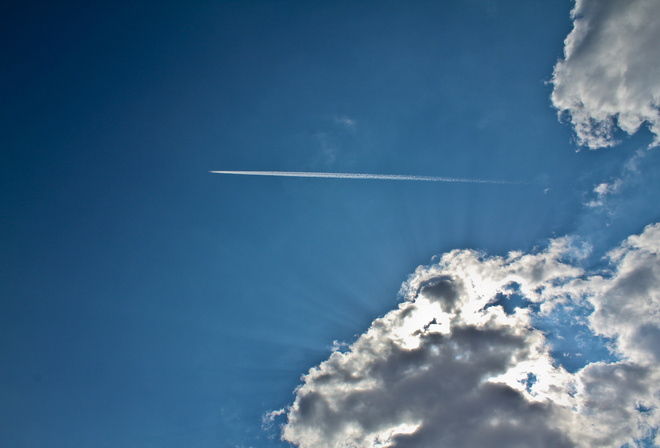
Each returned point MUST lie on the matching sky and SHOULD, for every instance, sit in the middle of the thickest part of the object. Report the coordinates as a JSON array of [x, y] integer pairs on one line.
[[145, 301]]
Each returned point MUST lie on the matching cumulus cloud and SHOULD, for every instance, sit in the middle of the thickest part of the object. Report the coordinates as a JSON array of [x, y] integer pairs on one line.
[[610, 75], [456, 365]]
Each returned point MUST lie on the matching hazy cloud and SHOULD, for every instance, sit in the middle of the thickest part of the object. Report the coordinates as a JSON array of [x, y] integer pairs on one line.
[[345, 121], [451, 367], [610, 76]]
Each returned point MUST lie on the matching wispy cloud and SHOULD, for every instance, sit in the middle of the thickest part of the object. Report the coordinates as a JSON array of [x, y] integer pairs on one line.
[[602, 194], [363, 176], [346, 121], [610, 76], [602, 191]]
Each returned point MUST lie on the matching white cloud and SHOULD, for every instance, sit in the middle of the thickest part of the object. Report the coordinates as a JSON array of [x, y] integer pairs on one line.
[[451, 367], [602, 191], [628, 304], [610, 75]]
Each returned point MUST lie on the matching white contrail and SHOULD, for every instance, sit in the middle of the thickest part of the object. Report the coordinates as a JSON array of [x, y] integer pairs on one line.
[[362, 176]]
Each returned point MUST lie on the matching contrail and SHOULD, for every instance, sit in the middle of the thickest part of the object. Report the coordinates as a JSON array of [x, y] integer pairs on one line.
[[362, 176]]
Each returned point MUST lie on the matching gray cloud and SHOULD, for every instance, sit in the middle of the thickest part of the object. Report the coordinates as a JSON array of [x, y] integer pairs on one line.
[[610, 76], [449, 367]]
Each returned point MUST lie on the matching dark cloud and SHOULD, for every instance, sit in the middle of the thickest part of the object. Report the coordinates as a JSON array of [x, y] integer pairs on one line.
[[443, 290]]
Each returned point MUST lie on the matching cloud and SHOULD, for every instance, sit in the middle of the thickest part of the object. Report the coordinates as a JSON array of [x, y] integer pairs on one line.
[[602, 191], [327, 147], [611, 195], [464, 360], [462, 363], [346, 121], [627, 305], [610, 76]]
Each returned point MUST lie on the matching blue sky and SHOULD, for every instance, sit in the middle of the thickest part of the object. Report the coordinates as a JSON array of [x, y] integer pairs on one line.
[[147, 302]]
